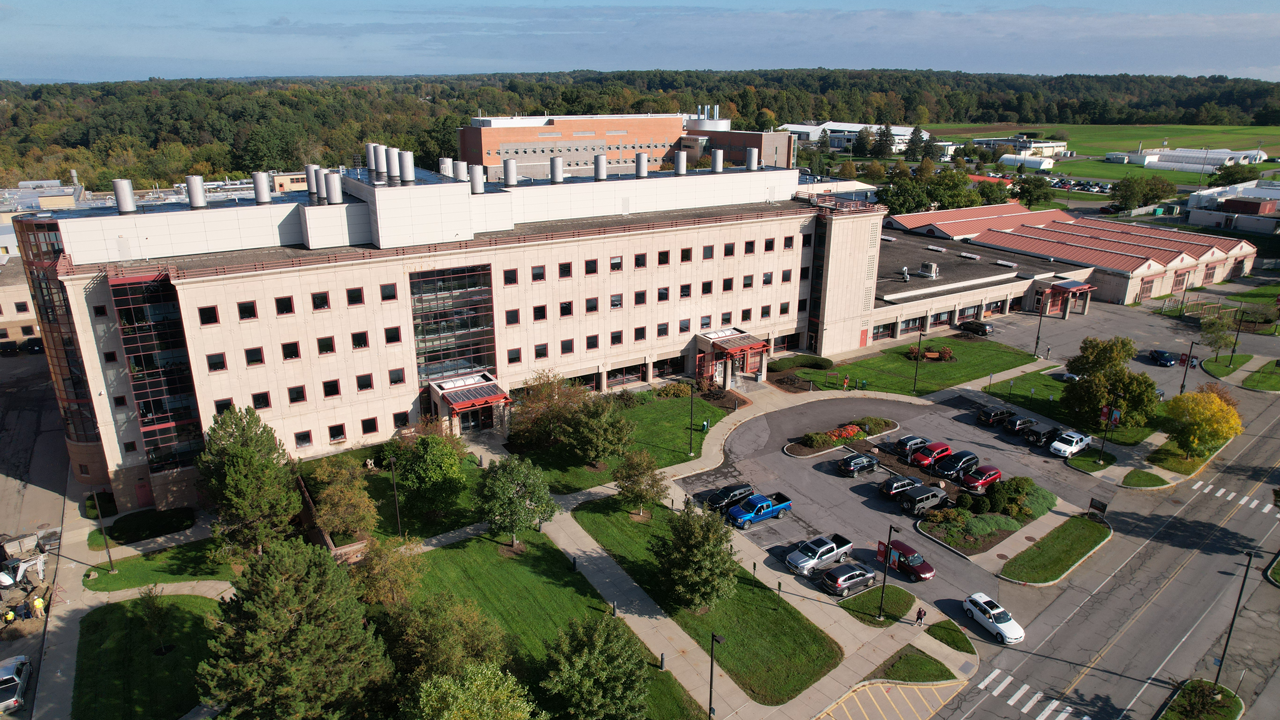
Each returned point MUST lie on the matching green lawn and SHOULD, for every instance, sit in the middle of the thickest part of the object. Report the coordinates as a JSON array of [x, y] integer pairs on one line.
[[865, 606], [1042, 394], [1053, 555], [1170, 457], [1102, 139], [1103, 170], [1224, 365], [911, 664], [1088, 460], [892, 372], [948, 633], [118, 675], [1265, 378], [193, 561], [97, 543], [1178, 709], [772, 651], [549, 594], [1142, 478], [1275, 571], [144, 525], [1264, 295]]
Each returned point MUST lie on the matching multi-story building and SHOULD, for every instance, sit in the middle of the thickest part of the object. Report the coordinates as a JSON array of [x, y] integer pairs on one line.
[[17, 313]]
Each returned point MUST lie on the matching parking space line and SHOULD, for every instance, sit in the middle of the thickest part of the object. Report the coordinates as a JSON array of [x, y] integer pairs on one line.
[[1063, 715], [983, 685], [1197, 485], [1245, 499], [889, 696], [875, 702], [1220, 491], [1049, 709], [860, 708], [1018, 694], [1267, 509], [1032, 702], [1003, 684], [1207, 488]]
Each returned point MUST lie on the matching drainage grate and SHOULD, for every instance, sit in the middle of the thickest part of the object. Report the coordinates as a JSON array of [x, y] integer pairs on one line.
[[1028, 538]]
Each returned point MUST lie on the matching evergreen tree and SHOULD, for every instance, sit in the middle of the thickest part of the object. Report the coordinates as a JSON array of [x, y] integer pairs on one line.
[[599, 430], [698, 560], [862, 143], [638, 479], [386, 574], [1022, 169], [512, 495], [883, 146], [596, 671], [293, 641], [915, 145], [484, 692], [247, 474], [925, 169], [930, 150], [873, 172], [824, 139]]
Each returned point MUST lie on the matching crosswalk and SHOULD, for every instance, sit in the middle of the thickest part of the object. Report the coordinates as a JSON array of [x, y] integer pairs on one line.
[[1253, 503], [1024, 703]]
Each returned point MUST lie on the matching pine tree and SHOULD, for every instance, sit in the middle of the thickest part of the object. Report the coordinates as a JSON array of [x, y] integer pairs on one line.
[[883, 146], [599, 430], [513, 496], [596, 671], [931, 151], [638, 479], [862, 143], [698, 561], [915, 145], [247, 474], [386, 574], [293, 641], [925, 169]]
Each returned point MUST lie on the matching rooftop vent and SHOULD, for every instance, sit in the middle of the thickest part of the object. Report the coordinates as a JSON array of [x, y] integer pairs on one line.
[[1006, 263], [935, 248], [971, 256], [929, 270]]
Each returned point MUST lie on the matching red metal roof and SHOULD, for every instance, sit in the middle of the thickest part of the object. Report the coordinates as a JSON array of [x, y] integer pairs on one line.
[[1224, 244], [912, 221], [1073, 254], [984, 178], [474, 396], [965, 228], [1071, 235]]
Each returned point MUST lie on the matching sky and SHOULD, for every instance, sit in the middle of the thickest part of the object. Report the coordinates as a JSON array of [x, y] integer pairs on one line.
[[80, 41]]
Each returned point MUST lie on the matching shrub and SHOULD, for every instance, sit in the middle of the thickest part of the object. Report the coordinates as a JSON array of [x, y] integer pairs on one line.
[[806, 361], [913, 353], [981, 505], [1039, 501], [944, 353], [965, 502], [625, 399], [979, 525], [873, 425], [673, 390], [817, 440]]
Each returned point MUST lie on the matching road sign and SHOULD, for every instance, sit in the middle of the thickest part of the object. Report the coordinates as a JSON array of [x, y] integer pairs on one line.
[[1096, 505], [1182, 359]]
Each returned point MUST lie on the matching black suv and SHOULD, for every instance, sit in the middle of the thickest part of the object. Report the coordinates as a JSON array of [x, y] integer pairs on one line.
[[977, 327], [898, 483], [1041, 435], [35, 346], [1017, 424], [1163, 358], [953, 467], [993, 415], [727, 497], [8, 348], [907, 446], [856, 464]]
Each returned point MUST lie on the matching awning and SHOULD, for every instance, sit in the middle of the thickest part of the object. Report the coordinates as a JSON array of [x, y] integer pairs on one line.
[[738, 344], [1074, 287], [474, 396]]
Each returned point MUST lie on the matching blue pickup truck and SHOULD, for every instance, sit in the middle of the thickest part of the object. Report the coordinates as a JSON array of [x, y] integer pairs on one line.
[[759, 507]]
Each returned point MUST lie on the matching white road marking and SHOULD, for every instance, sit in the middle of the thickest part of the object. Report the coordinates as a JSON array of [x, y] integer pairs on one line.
[[1220, 491], [1003, 684], [1047, 710], [1207, 488], [1254, 504], [1018, 694], [1032, 702], [1062, 715], [1197, 485], [983, 685], [1231, 497], [1266, 509], [1245, 499]]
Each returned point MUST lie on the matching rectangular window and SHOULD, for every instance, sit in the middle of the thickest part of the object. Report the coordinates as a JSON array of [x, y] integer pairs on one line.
[[802, 306], [784, 308], [663, 329], [510, 277], [297, 394], [355, 296], [395, 377], [99, 310], [686, 291], [664, 294], [748, 281], [592, 305], [786, 276], [119, 400], [746, 315], [247, 310], [253, 356], [615, 337], [324, 346], [788, 242], [364, 382], [684, 326], [109, 356], [332, 388], [290, 351], [208, 315], [28, 330], [708, 252], [705, 322], [566, 270], [369, 426], [641, 261], [539, 313], [615, 302], [686, 255], [728, 249], [84, 469], [284, 305], [726, 285], [131, 447], [641, 297], [400, 419], [538, 273], [749, 247], [593, 342], [540, 351], [217, 362], [706, 287], [221, 406], [726, 318], [513, 317], [21, 307], [566, 347], [566, 308], [337, 433], [359, 340], [302, 439], [639, 335], [768, 244], [391, 335], [806, 240], [261, 401], [766, 311], [513, 356], [591, 267], [664, 257], [615, 263], [319, 301], [766, 279], [388, 291]]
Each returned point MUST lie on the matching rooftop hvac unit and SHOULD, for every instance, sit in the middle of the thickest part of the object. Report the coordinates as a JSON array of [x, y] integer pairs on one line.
[[1006, 263], [935, 248], [971, 256], [929, 270]]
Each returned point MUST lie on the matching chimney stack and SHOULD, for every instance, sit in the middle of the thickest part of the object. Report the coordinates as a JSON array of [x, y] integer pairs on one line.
[[310, 172], [195, 192], [446, 167], [261, 188], [681, 162], [477, 179], [642, 165], [369, 162], [408, 174], [393, 166], [717, 161], [753, 159], [509, 174], [124, 196], [333, 188], [602, 170], [322, 193], [557, 170], [460, 170], [380, 163]]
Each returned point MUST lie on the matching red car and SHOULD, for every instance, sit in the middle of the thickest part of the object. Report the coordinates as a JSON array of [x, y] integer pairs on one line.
[[980, 477], [931, 453], [906, 561]]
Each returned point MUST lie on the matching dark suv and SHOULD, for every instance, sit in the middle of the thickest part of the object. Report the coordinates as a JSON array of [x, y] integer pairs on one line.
[[954, 466], [977, 327], [1163, 358], [1041, 435], [726, 497], [1017, 424], [856, 464], [907, 446], [9, 348], [993, 415]]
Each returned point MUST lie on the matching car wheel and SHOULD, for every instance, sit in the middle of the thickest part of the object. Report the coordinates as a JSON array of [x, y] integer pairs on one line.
[[906, 508], [968, 612], [1000, 638], [844, 592], [746, 525], [783, 513], [844, 556]]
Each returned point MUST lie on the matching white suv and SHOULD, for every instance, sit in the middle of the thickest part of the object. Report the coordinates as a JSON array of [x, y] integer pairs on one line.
[[994, 618], [1070, 443]]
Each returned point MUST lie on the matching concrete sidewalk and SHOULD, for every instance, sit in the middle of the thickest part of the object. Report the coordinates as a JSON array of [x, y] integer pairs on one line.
[[1237, 378], [994, 559]]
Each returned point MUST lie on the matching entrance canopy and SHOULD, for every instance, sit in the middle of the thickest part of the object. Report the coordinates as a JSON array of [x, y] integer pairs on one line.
[[477, 391], [1072, 287], [734, 342]]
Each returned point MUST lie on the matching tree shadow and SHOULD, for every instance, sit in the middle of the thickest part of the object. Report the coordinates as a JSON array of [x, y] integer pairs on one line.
[[1181, 532]]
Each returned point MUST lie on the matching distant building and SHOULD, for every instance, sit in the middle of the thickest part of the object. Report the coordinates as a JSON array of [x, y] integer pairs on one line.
[[1030, 162], [17, 313], [1188, 159], [1248, 207], [1023, 145], [842, 134]]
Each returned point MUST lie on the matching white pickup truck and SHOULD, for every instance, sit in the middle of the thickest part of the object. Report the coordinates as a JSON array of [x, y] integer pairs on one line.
[[818, 553]]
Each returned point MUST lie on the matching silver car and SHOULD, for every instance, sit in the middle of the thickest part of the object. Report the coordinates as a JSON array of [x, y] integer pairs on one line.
[[14, 674]]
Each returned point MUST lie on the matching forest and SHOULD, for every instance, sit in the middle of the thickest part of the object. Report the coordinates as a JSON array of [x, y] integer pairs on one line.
[[157, 131]]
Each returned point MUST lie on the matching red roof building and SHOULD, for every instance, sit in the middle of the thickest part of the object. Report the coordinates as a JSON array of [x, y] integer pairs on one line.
[[984, 178], [912, 221], [964, 229]]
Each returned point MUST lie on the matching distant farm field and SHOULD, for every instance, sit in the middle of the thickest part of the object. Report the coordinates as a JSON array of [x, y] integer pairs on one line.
[[1102, 170], [1101, 139]]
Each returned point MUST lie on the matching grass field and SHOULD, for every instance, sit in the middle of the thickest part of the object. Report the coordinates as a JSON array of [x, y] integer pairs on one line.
[[772, 651], [911, 664], [1170, 457], [1179, 710], [1142, 478], [948, 633], [1053, 555], [193, 561], [1102, 170], [1088, 460], [865, 606], [1042, 394], [119, 677], [1265, 378], [1224, 366], [550, 593], [1264, 294], [892, 372], [1102, 139]]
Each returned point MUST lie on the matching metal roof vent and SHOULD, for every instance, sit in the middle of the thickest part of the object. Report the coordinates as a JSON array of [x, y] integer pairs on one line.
[[935, 248], [1006, 263], [124, 196], [971, 256]]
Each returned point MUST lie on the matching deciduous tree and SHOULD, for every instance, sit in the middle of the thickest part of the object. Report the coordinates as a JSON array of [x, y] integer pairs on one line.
[[1202, 421], [993, 193], [698, 560], [873, 171], [483, 692], [907, 196], [513, 496], [543, 409], [1217, 334], [1097, 356], [638, 479], [1032, 190], [343, 503], [1234, 175], [926, 168], [386, 574], [949, 190], [848, 170], [441, 635], [599, 430], [430, 474], [1222, 391], [596, 671]]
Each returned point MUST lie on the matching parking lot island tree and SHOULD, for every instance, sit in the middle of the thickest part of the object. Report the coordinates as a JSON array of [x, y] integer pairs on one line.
[[247, 474], [698, 560], [343, 505], [596, 671], [441, 635], [484, 692], [1217, 334], [1202, 421], [293, 641], [1104, 379], [638, 479], [513, 496]]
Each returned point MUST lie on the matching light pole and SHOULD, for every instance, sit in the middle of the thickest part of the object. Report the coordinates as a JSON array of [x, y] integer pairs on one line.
[[102, 528], [1187, 367], [1243, 579], [395, 494], [887, 549], [1202, 163], [693, 384], [918, 344], [1239, 322], [1044, 299], [711, 694]]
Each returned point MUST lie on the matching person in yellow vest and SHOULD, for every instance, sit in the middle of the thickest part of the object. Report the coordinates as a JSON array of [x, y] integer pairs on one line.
[[38, 605], [9, 617]]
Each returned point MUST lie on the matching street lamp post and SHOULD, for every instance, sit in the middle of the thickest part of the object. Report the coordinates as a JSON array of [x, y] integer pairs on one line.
[[1044, 298], [395, 494], [919, 343], [693, 384], [885, 581], [711, 693], [1187, 367], [1243, 579], [1239, 322], [102, 528]]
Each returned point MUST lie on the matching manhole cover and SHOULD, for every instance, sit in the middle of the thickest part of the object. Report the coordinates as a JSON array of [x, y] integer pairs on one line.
[[1028, 538], [42, 526], [1002, 556]]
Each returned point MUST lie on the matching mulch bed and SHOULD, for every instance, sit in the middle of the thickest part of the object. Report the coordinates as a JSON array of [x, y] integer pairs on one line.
[[802, 450], [725, 399], [970, 549], [507, 551], [787, 381]]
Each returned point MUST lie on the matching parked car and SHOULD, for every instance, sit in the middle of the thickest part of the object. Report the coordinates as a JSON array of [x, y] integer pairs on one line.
[[916, 500], [726, 497], [929, 454], [907, 446], [35, 346], [1070, 443], [759, 507], [977, 327], [1163, 358], [844, 579], [993, 415], [994, 618], [955, 465], [1041, 435], [14, 674], [980, 477], [898, 483], [8, 348], [1018, 423], [819, 553], [906, 561], [855, 464]]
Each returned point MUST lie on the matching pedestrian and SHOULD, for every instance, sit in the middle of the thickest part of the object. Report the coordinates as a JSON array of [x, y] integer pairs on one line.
[[9, 617], [38, 605], [920, 617]]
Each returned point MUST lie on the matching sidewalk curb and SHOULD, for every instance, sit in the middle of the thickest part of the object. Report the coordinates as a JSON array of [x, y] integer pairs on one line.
[[1206, 462], [939, 542], [896, 427], [1167, 483], [1267, 572], [1110, 534]]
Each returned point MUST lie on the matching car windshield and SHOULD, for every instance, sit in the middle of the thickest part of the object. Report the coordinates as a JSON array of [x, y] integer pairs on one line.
[[915, 560], [809, 550], [1001, 617], [750, 505]]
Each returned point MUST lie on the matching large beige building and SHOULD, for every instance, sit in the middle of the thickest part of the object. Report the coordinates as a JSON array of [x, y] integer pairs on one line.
[[18, 321]]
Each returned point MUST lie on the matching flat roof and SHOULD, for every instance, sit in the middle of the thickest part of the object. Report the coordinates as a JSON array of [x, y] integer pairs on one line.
[[780, 209], [298, 197], [11, 273], [953, 269]]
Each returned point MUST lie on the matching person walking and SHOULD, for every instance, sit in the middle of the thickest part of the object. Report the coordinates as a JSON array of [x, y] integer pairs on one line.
[[920, 617], [38, 606]]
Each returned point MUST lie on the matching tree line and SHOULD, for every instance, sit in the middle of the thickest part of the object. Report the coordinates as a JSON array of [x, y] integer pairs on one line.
[[159, 130]]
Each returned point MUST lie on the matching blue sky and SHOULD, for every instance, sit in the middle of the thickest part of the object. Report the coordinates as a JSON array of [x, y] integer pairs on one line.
[[84, 41]]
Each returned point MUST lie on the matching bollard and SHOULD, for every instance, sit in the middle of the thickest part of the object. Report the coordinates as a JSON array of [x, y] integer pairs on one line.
[[662, 661], [575, 563], [753, 568], [706, 424], [615, 608], [735, 404], [810, 386], [779, 587], [673, 503]]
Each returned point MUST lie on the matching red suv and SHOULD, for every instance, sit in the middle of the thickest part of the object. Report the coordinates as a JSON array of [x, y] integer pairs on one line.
[[980, 477], [931, 453]]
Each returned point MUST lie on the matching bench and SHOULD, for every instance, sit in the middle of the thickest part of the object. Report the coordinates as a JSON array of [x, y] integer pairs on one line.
[[932, 356]]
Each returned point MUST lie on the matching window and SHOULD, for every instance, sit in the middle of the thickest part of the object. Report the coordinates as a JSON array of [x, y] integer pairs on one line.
[[253, 356], [708, 252], [391, 335], [388, 291], [766, 311], [261, 401], [664, 257], [592, 305], [641, 261], [726, 318], [728, 249], [615, 337], [615, 302], [247, 310], [290, 351], [119, 401], [84, 469], [748, 281], [369, 426], [806, 240], [706, 287], [99, 310], [784, 308], [284, 305], [28, 330], [684, 326], [566, 270], [4, 333], [566, 309], [615, 263], [320, 301], [400, 419], [749, 247], [686, 255], [109, 356], [297, 394], [513, 356], [510, 277], [364, 382], [355, 296], [208, 315], [395, 377], [513, 317], [686, 291], [786, 276], [332, 388], [705, 322], [664, 329], [131, 447], [788, 242], [726, 285], [639, 334], [566, 347], [325, 345], [766, 279], [538, 273], [539, 313], [359, 340], [746, 315], [804, 273], [593, 342], [768, 244], [640, 298], [540, 351], [591, 267], [802, 306], [337, 433], [20, 307], [221, 406], [664, 294], [302, 439], [217, 362]]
